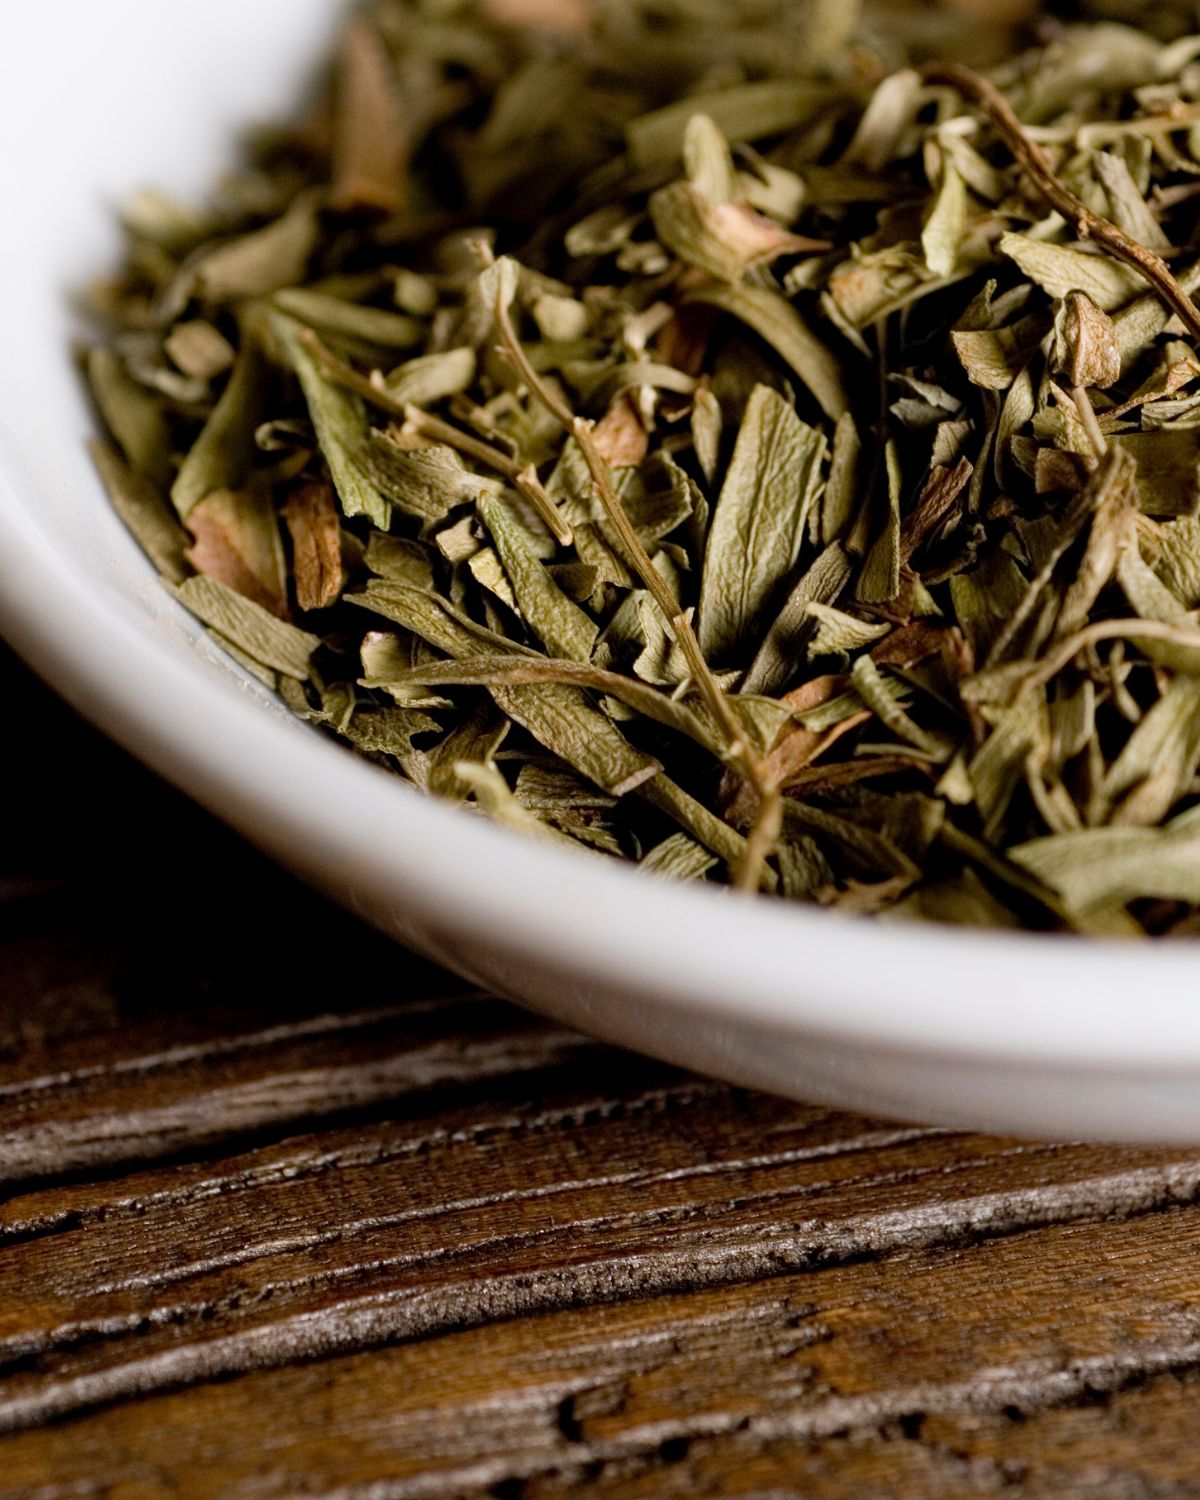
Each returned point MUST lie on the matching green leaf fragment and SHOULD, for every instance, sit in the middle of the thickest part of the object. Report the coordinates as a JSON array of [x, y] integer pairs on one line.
[[1099, 867], [132, 415], [254, 630], [341, 425], [839, 632], [493, 794], [256, 264], [941, 239], [777, 321], [749, 112], [678, 857], [1059, 269], [352, 320], [759, 522], [143, 509]]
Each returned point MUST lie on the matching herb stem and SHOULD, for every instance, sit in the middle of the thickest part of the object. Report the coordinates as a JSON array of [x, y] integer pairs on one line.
[[523, 476], [765, 830], [1036, 165], [425, 424], [1087, 415], [760, 844], [1106, 630]]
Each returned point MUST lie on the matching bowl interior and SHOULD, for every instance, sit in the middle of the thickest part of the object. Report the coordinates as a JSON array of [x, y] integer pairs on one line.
[[137, 93]]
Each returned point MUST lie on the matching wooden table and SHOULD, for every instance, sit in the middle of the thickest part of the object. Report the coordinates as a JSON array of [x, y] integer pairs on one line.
[[289, 1213]]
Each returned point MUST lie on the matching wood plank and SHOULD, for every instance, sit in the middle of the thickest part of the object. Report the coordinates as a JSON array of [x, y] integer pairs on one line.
[[409, 1227], [149, 1098], [932, 1371]]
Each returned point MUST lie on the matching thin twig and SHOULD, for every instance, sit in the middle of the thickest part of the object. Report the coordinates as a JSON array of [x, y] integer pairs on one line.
[[1087, 415], [760, 843], [425, 424], [1034, 162], [1105, 630], [523, 475], [350, 379], [765, 830]]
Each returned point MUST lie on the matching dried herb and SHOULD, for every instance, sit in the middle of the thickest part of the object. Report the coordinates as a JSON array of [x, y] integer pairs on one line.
[[762, 443]]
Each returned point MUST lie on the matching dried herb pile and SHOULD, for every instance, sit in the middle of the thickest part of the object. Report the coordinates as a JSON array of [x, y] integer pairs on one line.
[[725, 438]]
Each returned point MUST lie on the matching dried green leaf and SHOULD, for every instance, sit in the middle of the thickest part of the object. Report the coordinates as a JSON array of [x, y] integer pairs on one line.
[[199, 349], [1085, 344], [889, 114], [1168, 470], [997, 768], [1060, 270], [992, 357], [1149, 597], [512, 671], [879, 580], [132, 415], [426, 482], [434, 618], [492, 793], [266, 675], [341, 425], [1099, 867], [253, 629], [759, 522], [872, 690], [696, 819], [838, 632], [1128, 209], [253, 265], [986, 599], [724, 239], [431, 377], [488, 572], [942, 237], [749, 112], [143, 509], [869, 853], [350, 320], [223, 455], [778, 322], [560, 717], [391, 731], [708, 162], [399, 559], [1178, 561], [660, 660], [475, 740], [785, 644], [1164, 750], [678, 858]]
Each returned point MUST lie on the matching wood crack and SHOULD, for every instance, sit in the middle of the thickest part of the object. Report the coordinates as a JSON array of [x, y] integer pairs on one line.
[[379, 1318]]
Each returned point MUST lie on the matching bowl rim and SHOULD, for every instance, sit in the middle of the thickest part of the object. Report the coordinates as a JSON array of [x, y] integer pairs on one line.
[[1045, 1000], [697, 954]]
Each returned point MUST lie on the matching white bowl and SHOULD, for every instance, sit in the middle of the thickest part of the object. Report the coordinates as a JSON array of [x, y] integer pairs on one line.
[[1024, 1034]]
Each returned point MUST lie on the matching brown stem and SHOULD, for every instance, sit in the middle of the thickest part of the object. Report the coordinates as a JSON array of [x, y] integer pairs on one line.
[[1087, 415], [523, 476], [765, 831], [1034, 162], [425, 424], [764, 835], [1105, 630]]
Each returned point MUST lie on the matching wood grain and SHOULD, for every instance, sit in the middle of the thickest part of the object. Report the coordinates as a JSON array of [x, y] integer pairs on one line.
[[288, 1213]]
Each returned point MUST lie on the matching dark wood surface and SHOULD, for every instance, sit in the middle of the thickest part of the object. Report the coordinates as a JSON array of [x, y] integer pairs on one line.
[[288, 1212]]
